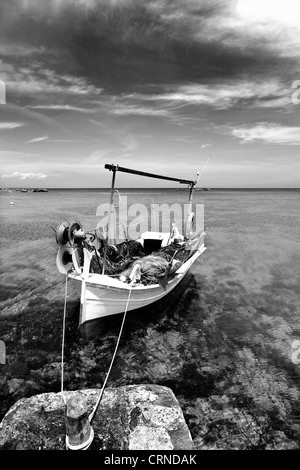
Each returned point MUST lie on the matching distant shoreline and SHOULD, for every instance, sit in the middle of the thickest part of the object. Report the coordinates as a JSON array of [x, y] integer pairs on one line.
[[29, 190]]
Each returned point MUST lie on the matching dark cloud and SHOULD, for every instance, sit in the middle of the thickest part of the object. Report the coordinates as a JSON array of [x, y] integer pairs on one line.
[[127, 44]]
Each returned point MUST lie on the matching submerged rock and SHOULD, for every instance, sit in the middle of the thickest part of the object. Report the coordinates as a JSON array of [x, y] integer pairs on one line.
[[134, 417]]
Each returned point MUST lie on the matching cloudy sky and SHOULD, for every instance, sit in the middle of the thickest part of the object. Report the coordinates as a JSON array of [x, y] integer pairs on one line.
[[158, 85]]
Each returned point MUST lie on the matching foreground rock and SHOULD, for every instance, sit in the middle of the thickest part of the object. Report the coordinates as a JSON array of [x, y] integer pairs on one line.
[[135, 417]]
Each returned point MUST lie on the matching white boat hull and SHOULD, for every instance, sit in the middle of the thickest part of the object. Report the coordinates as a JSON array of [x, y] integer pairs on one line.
[[102, 296]]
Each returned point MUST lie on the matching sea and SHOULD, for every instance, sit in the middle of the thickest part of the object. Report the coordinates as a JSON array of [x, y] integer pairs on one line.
[[227, 342]]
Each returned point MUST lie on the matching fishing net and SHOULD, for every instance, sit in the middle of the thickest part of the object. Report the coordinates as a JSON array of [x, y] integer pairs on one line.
[[118, 257], [122, 258], [174, 250], [128, 249], [152, 268]]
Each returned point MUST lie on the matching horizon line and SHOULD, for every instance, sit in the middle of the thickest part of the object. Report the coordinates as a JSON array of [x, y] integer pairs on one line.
[[203, 188]]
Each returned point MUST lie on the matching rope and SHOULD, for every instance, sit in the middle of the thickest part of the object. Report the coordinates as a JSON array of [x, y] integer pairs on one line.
[[204, 167], [63, 342], [113, 358]]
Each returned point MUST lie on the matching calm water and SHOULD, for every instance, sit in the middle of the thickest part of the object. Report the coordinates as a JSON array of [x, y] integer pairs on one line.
[[224, 344]]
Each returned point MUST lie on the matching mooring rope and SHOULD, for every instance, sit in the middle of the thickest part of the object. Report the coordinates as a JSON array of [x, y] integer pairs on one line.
[[63, 341], [113, 358], [91, 416]]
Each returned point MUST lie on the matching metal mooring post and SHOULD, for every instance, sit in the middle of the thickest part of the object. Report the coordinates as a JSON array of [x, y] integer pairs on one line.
[[80, 434]]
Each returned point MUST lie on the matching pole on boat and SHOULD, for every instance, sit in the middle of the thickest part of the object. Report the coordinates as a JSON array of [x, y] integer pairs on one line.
[[192, 187], [188, 228], [194, 183], [113, 169]]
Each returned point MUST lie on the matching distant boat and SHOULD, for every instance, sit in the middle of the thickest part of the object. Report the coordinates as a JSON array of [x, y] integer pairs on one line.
[[23, 190], [148, 270], [40, 191]]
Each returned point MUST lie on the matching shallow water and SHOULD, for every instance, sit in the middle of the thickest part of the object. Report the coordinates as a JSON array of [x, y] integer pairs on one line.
[[223, 343]]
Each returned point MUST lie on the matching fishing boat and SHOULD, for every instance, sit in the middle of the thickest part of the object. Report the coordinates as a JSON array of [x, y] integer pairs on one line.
[[115, 278]]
